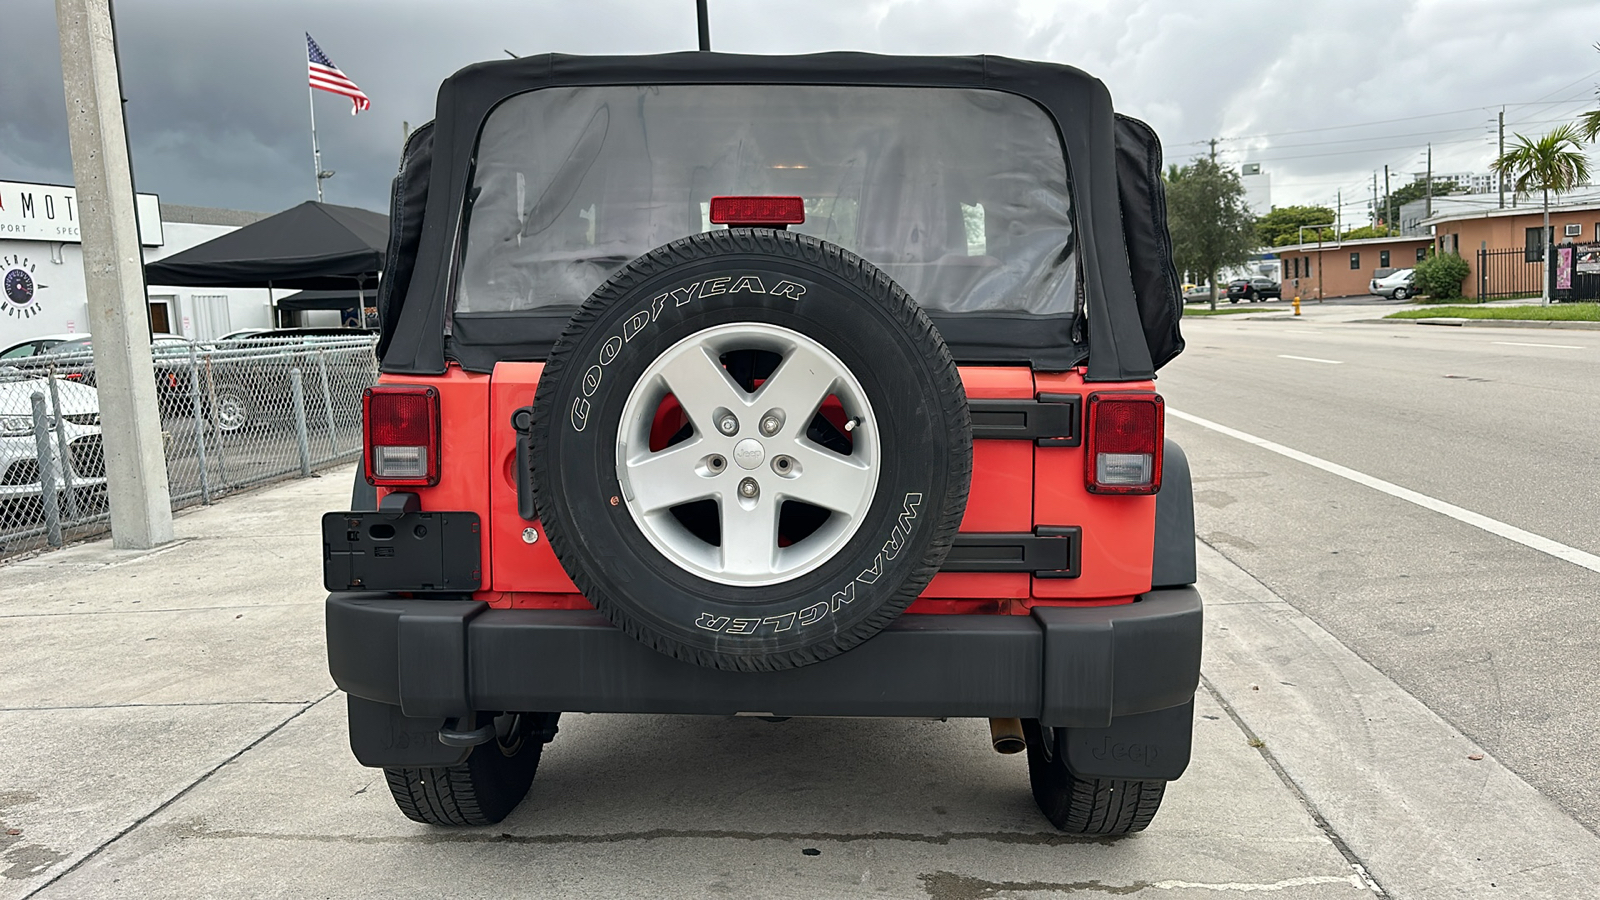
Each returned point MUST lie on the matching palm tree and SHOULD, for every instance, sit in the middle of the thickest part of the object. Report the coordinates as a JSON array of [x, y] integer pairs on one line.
[[1555, 162]]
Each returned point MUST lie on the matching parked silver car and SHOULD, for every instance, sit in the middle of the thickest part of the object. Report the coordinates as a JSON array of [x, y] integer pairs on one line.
[[76, 428], [1397, 285]]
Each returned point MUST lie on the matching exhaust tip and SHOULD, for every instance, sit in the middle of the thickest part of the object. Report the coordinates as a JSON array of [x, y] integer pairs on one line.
[[1006, 736]]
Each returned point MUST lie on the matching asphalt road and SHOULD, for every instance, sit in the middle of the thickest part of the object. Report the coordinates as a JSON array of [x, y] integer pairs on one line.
[[1500, 639]]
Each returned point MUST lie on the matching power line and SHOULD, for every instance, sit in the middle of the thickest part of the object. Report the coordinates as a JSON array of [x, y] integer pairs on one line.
[[1376, 137], [1578, 104], [1451, 112], [1472, 140]]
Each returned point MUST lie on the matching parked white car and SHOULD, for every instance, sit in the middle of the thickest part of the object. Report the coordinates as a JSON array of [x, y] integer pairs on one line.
[[78, 427], [1398, 285]]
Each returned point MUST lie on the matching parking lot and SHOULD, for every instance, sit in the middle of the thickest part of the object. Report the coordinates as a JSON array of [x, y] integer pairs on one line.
[[231, 419], [173, 732]]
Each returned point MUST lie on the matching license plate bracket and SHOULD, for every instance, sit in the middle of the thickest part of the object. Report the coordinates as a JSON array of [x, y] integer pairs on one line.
[[414, 551]]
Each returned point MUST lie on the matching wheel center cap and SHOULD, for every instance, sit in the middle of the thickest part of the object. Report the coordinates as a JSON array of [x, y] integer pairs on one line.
[[748, 453]]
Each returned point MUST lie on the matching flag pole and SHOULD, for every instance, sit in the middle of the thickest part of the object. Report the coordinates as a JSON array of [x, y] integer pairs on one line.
[[316, 153]]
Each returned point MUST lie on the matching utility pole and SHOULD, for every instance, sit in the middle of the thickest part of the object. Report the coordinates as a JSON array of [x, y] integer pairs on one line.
[[1388, 202], [1374, 199], [136, 469], [705, 24], [1428, 214], [1500, 180], [1213, 149], [1338, 217]]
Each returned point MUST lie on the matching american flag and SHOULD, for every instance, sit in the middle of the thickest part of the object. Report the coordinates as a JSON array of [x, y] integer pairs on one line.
[[325, 76]]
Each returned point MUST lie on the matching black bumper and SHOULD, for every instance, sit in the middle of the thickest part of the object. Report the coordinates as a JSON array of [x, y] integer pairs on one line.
[[1075, 667]]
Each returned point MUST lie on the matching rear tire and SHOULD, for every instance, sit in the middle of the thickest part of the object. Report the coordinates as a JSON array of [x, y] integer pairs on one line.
[[1106, 807], [1401, 293], [484, 789]]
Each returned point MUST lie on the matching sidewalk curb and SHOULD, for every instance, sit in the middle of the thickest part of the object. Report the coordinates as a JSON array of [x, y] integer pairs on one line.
[[1422, 806], [1486, 323]]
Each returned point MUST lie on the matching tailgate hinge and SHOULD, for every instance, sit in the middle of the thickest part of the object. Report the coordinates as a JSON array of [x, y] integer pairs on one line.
[[1050, 420], [1052, 551]]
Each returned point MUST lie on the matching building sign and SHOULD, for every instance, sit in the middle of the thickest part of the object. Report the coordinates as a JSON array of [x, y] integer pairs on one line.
[[47, 212], [19, 287], [1589, 259]]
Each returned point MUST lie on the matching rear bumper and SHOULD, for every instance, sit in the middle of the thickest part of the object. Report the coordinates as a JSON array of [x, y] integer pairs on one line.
[[1076, 667]]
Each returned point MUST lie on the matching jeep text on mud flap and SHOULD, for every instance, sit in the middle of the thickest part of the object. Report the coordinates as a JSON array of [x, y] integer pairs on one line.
[[798, 386]]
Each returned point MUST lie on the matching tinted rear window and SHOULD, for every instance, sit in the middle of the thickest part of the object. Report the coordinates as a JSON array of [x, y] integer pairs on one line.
[[960, 195]]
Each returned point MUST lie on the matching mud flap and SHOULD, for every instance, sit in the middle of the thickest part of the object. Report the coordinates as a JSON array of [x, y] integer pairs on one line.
[[1149, 747], [382, 735]]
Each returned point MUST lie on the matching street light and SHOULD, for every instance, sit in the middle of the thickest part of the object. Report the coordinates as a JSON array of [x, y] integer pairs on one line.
[[1300, 238]]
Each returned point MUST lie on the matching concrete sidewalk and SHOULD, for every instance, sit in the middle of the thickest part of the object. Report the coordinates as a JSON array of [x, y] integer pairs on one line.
[[170, 730]]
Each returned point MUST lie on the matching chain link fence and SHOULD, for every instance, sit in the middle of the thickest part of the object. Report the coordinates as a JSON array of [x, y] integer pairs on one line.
[[232, 416]]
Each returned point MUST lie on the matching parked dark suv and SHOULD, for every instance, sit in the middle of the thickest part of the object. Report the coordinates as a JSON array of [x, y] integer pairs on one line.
[[1254, 288], [772, 386]]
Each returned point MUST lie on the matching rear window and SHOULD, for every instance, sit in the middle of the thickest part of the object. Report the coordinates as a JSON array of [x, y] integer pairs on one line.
[[960, 195]]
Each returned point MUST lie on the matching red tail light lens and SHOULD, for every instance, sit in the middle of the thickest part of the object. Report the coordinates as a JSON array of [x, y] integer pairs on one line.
[[402, 435], [744, 211], [1124, 439]]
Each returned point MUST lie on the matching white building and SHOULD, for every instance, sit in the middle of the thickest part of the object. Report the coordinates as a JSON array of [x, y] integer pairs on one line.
[[42, 286], [1257, 188]]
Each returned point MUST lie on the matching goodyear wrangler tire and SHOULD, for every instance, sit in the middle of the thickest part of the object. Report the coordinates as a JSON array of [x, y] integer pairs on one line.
[[751, 449]]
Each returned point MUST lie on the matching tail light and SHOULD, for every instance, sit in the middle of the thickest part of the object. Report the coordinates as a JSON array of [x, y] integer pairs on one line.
[[765, 211], [1124, 439], [401, 423]]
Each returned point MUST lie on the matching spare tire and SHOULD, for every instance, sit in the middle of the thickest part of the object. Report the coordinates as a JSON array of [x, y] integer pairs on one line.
[[751, 449]]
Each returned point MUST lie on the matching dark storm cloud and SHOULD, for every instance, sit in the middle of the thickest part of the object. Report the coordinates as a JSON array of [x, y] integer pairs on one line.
[[217, 93], [217, 100]]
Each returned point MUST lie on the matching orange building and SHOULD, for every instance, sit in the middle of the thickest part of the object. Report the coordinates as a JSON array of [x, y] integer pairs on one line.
[[1345, 269], [1502, 246]]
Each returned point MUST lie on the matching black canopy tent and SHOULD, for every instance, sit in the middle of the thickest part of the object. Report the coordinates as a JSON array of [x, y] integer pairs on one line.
[[316, 246], [304, 300], [351, 304]]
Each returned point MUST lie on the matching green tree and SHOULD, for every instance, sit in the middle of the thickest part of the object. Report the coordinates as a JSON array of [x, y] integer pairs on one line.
[[1282, 226], [1367, 231], [1212, 228], [1555, 162], [1440, 276]]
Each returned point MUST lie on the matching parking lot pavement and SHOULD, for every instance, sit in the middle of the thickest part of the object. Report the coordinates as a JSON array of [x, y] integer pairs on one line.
[[171, 731]]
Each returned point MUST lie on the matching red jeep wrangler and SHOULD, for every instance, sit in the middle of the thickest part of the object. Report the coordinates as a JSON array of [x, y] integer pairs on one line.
[[887, 444]]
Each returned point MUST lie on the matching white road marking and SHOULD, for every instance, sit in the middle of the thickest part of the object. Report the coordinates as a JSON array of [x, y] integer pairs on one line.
[[1477, 520], [1331, 362], [1520, 344]]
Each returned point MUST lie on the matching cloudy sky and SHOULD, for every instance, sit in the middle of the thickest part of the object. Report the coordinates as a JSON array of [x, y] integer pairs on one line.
[[1320, 93]]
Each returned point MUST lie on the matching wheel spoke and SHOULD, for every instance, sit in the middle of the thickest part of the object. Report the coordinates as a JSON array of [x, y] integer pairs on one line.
[[661, 480], [798, 387], [701, 384], [748, 471], [749, 537], [827, 479]]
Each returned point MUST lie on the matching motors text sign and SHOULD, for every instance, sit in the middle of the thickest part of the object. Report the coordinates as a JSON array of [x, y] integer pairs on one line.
[[47, 212]]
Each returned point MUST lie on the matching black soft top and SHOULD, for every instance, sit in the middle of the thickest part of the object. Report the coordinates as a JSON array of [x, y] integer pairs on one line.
[[1125, 326]]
